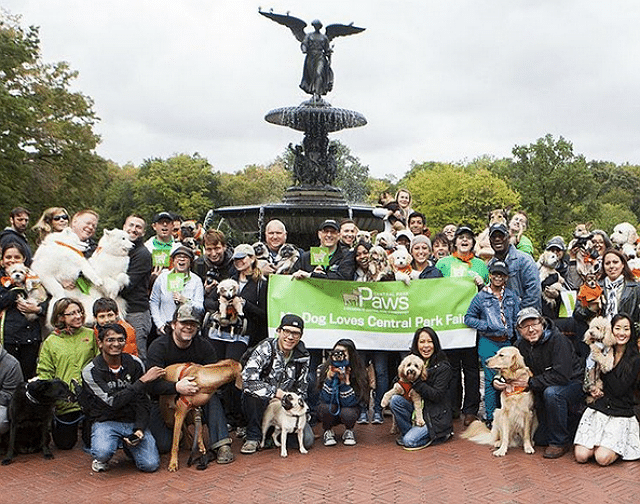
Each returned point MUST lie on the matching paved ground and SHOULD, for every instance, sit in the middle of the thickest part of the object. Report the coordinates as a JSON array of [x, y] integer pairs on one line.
[[374, 471]]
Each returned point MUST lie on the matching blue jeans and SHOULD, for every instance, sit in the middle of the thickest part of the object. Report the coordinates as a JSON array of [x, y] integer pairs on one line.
[[558, 409], [380, 359], [488, 348], [106, 438], [412, 436], [213, 416]]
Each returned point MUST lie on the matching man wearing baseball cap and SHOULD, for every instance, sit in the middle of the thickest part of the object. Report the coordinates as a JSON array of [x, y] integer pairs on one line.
[[556, 381], [524, 278], [184, 343], [341, 260], [274, 367]]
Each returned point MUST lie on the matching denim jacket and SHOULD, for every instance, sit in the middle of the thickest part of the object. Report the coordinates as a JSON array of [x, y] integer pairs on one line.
[[484, 314], [524, 278]]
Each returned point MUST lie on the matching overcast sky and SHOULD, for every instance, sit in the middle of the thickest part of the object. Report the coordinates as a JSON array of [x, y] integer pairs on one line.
[[445, 80]]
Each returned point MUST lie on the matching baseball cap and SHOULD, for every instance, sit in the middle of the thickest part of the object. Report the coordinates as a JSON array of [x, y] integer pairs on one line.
[[291, 320], [181, 249], [528, 313], [162, 216], [498, 227], [243, 250], [329, 223], [187, 313], [464, 229], [556, 242], [499, 267]]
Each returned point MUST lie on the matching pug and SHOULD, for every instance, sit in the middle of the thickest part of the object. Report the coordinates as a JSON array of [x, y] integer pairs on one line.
[[288, 415]]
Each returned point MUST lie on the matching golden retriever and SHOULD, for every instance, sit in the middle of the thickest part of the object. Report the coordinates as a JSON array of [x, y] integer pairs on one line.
[[410, 369], [515, 422]]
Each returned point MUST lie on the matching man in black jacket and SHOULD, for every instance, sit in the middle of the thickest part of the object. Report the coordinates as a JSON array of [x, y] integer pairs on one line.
[[114, 398], [556, 381], [19, 220], [136, 294]]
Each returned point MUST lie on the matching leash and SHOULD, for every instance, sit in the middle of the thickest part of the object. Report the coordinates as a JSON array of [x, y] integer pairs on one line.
[[29, 396], [79, 252]]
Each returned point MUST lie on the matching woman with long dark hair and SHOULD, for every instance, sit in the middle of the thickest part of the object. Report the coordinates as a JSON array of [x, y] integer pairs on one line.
[[343, 385], [434, 390], [608, 428]]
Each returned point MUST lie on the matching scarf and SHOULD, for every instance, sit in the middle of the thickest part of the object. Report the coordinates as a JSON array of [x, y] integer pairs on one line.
[[613, 288], [466, 258]]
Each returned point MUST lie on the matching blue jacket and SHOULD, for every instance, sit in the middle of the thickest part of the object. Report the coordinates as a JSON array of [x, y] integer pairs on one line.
[[524, 278], [483, 314]]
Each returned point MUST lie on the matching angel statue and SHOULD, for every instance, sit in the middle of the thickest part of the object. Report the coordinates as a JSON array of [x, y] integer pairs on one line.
[[317, 76]]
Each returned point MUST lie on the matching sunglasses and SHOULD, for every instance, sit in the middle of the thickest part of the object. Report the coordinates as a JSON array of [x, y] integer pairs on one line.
[[60, 217]]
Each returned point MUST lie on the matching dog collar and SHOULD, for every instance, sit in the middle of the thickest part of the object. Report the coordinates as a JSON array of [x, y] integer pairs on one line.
[[30, 397], [298, 417], [516, 391]]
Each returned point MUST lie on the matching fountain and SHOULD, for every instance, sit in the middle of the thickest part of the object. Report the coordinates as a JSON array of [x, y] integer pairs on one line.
[[312, 198]]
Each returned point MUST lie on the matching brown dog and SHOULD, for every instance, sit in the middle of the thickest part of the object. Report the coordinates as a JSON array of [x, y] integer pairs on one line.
[[410, 369], [208, 378]]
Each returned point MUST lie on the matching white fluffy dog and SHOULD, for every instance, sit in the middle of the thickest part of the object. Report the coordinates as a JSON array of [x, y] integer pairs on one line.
[[230, 309], [624, 233], [59, 260], [62, 261], [400, 261]]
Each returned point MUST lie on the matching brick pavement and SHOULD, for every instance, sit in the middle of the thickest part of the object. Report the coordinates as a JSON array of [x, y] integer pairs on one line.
[[374, 471]]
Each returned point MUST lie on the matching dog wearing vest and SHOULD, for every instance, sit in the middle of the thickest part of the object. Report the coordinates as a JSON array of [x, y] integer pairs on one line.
[[410, 369], [208, 378], [515, 421]]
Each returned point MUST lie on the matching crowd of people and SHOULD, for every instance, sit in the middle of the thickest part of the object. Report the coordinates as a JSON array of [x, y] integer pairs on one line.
[[172, 316]]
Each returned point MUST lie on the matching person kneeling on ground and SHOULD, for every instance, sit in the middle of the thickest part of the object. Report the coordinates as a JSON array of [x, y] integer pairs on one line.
[[275, 367], [114, 398], [343, 386], [435, 394]]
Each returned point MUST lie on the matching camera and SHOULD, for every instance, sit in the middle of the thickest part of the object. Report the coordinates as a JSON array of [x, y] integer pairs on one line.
[[212, 276]]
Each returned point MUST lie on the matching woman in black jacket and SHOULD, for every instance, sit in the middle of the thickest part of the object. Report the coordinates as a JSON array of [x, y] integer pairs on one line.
[[435, 394], [608, 428], [20, 335]]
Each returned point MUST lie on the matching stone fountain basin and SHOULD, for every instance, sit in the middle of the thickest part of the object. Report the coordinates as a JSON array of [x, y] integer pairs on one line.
[[315, 114]]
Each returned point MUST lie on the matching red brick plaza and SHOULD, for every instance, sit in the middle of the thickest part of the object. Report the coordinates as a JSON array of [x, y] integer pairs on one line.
[[373, 471]]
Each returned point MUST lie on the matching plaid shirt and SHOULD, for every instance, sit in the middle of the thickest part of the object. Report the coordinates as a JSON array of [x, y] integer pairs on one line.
[[290, 376]]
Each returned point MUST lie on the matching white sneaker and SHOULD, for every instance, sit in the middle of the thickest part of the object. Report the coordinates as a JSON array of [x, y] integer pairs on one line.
[[329, 438], [348, 438], [97, 466]]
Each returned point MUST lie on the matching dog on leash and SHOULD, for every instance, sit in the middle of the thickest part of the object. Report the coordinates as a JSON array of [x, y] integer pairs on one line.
[[31, 413], [208, 378], [410, 369], [599, 337], [286, 416], [515, 421], [262, 253], [22, 278]]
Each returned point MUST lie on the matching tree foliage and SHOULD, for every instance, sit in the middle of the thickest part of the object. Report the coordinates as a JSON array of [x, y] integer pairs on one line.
[[448, 193], [254, 185], [46, 135]]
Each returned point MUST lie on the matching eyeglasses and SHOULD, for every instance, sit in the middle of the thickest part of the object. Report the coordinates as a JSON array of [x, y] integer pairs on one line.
[[73, 313], [286, 333], [60, 217], [114, 340], [533, 325]]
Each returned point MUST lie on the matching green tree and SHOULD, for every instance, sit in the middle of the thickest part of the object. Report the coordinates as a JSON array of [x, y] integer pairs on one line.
[[254, 185], [46, 138], [183, 184], [556, 186], [448, 193]]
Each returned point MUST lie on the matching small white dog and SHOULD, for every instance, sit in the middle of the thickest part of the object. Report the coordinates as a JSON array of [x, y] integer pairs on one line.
[[400, 261], [230, 305], [24, 279], [288, 415], [624, 232]]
